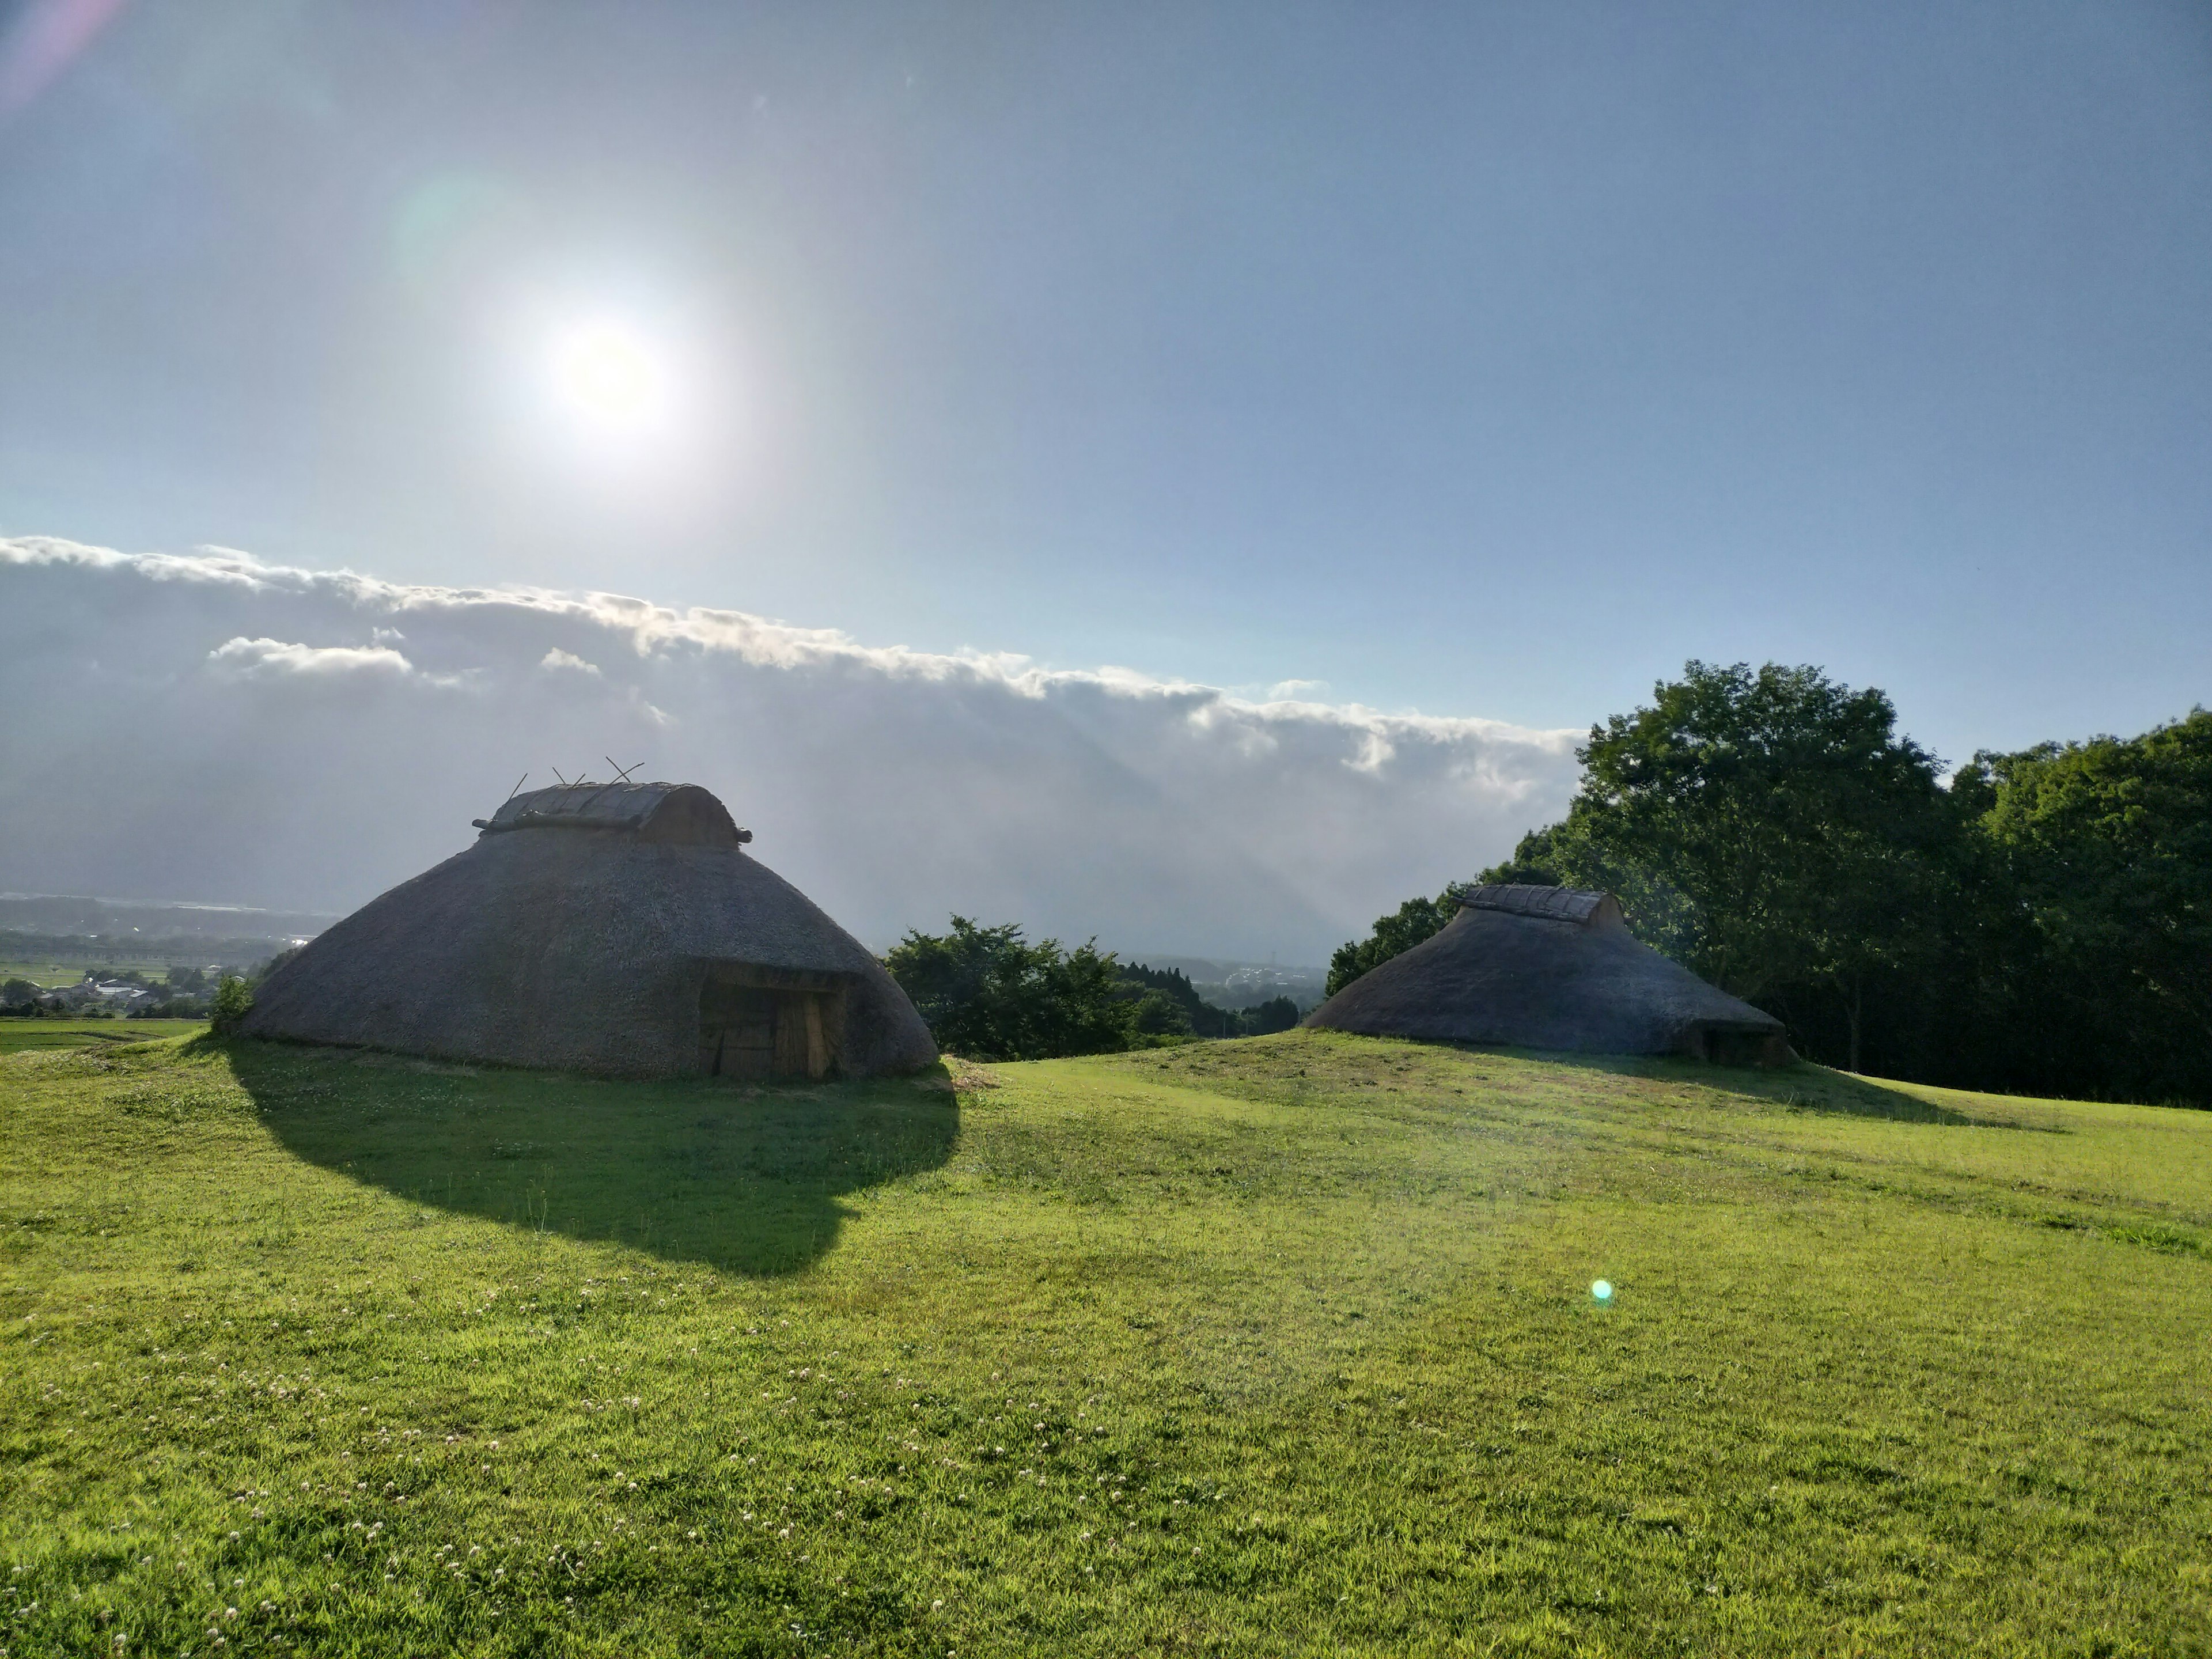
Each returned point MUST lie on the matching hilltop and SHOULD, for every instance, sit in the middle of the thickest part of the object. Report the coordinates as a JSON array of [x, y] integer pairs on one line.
[[1283, 1345]]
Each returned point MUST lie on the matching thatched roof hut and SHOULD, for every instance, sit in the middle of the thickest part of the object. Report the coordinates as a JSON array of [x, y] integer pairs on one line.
[[619, 929], [1550, 967]]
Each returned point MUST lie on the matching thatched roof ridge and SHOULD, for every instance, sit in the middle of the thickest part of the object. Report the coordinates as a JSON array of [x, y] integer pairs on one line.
[[1508, 973], [660, 812], [1561, 904]]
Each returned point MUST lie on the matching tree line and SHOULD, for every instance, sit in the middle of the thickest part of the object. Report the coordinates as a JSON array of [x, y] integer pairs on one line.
[[987, 994], [2034, 922]]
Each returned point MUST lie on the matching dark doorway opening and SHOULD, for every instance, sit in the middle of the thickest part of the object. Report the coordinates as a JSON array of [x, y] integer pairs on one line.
[[766, 1023], [1725, 1047]]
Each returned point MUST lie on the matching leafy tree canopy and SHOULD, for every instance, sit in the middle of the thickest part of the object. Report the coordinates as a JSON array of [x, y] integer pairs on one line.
[[1186, 1012], [2107, 846], [1767, 829], [987, 994]]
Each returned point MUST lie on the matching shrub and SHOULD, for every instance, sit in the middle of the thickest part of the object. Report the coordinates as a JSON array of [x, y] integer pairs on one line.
[[988, 994], [233, 1002]]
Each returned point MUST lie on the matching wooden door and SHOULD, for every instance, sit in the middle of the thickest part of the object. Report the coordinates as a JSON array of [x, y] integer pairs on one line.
[[750, 1030], [738, 1030]]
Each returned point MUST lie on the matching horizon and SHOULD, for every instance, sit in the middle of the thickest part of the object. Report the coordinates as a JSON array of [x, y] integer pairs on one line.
[[1190, 477], [1175, 816]]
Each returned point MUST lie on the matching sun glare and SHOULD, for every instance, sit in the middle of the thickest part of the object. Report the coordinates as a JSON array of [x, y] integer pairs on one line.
[[610, 376]]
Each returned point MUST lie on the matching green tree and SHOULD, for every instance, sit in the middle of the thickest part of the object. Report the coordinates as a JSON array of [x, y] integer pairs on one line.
[[987, 994], [1275, 1014], [1513, 873], [2105, 847], [1771, 830], [233, 1002], [1086, 1009], [1155, 1013]]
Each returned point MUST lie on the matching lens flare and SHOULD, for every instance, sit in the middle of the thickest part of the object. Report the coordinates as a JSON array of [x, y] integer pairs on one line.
[[39, 41], [1602, 1290]]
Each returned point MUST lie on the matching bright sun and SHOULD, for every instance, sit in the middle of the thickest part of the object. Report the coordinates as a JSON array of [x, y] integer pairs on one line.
[[611, 376]]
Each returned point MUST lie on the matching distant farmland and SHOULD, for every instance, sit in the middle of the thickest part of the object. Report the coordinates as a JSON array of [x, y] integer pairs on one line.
[[18, 1035], [1284, 1345], [62, 959]]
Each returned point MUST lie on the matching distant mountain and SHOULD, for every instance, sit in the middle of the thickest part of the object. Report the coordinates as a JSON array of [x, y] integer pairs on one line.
[[151, 920]]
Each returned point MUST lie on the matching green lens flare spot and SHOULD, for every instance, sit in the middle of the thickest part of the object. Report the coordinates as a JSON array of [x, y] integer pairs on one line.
[[1601, 1291]]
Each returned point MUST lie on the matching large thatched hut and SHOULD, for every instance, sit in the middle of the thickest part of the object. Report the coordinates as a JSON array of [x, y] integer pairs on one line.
[[1550, 967], [613, 929]]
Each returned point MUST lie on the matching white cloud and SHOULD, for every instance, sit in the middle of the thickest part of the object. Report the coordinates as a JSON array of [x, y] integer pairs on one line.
[[893, 784], [274, 657]]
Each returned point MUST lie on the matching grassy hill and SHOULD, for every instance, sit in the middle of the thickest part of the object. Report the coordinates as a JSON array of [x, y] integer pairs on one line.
[[1279, 1346]]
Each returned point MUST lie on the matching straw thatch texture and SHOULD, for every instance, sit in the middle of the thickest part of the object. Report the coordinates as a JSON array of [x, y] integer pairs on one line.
[[1550, 967], [626, 934]]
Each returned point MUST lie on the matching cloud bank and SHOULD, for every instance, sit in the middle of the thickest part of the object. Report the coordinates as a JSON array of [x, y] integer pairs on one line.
[[209, 726]]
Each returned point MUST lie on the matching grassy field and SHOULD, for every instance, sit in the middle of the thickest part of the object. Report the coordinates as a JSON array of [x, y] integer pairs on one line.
[[54, 974], [18, 1035], [51, 975], [1282, 1345]]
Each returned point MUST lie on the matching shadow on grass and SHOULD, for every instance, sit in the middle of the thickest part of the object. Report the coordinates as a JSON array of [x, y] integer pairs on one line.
[[1801, 1085], [747, 1180], [1284, 1060], [1804, 1086]]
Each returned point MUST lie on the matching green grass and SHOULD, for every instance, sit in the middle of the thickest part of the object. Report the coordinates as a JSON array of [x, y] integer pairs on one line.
[[54, 974], [51, 975], [17, 1035], [1283, 1345]]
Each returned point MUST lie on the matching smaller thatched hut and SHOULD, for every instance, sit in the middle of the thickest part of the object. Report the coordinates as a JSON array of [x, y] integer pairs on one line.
[[1551, 967], [620, 929]]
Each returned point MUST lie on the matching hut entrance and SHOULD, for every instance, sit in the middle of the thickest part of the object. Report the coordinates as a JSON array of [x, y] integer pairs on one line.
[[771, 1023], [1736, 1047]]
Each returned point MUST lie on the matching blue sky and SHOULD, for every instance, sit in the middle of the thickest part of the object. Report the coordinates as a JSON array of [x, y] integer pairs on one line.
[[1483, 361]]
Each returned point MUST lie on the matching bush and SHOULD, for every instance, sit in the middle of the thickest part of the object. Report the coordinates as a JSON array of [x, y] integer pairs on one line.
[[986, 994], [233, 1002]]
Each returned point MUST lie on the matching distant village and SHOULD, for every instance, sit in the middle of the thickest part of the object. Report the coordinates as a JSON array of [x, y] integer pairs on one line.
[[100, 958], [181, 993]]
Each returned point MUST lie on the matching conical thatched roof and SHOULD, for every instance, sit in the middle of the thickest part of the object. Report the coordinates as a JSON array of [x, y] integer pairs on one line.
[[615, 929], [1550, 967]]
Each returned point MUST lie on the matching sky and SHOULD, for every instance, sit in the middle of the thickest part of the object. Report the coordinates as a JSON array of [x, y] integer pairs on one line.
[[1477, 365]]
